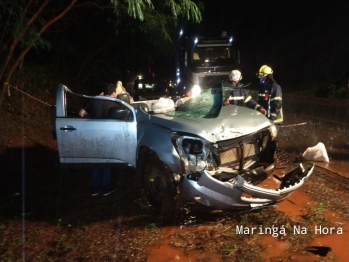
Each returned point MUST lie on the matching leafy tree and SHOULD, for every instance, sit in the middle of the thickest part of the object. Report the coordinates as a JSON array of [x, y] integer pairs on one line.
[[24, 23]]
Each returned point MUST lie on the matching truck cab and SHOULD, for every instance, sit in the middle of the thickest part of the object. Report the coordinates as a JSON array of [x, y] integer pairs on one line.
[[149, 89], [204, 61]]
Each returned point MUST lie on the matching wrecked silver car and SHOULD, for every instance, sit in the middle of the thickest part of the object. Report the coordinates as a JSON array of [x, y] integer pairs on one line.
[[203, 150]]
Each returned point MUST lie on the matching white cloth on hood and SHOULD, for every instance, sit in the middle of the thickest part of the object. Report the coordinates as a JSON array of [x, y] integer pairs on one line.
[[163, 105]]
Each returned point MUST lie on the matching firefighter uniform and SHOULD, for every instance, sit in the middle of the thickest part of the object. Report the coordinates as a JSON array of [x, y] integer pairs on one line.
[[241, 97], [270, 97]]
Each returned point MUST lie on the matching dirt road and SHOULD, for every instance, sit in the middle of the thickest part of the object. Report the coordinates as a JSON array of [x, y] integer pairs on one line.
[[47, 214]]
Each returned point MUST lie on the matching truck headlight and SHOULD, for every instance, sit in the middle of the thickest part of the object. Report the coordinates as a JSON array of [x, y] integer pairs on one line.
[[195, 91]]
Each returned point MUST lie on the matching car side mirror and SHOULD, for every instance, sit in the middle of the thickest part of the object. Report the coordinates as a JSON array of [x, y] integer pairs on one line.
[[120, 113], [144, 106]]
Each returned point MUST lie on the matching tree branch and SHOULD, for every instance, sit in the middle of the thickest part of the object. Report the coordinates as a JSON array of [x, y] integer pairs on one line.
[[29, 46], [19, 37]]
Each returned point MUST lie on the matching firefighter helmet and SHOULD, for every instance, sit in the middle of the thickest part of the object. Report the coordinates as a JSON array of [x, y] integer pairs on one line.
[[235, 76], [264, 71]]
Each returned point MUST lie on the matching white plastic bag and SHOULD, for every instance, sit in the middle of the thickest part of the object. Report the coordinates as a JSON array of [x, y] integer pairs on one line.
[[163, 105], [316, 153]]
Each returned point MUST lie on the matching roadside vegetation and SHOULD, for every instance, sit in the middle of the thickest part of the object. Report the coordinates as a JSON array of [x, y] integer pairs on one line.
[[48, 38]]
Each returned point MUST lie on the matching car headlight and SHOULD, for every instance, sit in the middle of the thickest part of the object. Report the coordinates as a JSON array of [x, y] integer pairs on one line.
[[193, 152], [192, 146]]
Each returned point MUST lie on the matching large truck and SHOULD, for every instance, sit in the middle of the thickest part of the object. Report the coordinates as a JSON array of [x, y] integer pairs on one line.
[[204, 61]]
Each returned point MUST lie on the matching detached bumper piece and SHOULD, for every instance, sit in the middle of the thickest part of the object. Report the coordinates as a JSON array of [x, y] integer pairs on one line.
[[228, 195]]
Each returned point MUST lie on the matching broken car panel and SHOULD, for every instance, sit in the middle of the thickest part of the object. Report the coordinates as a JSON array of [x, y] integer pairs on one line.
[[206, 151]]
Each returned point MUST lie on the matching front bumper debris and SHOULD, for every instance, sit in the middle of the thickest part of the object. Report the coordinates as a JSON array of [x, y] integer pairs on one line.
[[228, 195]]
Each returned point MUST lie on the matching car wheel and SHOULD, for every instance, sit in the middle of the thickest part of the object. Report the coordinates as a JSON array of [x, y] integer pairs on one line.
[[159, 185]]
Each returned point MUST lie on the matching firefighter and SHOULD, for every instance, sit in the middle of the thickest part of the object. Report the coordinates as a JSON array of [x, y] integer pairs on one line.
[[270, 97], [240, 96]]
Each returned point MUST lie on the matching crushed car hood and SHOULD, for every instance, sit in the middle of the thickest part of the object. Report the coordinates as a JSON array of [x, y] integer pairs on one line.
[[232, 122]]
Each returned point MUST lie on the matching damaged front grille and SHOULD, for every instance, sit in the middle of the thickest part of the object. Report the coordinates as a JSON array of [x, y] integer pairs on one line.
[[238, 155], [233, 155], [225, 159], [242, 158]]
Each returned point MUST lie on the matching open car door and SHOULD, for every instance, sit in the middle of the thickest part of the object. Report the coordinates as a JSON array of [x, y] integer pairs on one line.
[[87, 141]]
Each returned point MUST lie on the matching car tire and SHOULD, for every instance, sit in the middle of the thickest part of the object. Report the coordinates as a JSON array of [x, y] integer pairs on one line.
[[159, 185]]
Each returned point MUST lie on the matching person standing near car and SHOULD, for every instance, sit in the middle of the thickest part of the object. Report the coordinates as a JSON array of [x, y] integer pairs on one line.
[[97, 108], [100, 178], [122, 90], [240, 96], [270, 97]]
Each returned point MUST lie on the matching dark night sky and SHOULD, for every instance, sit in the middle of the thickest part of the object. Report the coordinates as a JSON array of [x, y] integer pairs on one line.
[[299, 38], [248, 19]]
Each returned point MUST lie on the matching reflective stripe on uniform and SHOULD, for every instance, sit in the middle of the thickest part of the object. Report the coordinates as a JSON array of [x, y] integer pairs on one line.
[[280, 119], [276, 98], [236, 97], [248, 99]]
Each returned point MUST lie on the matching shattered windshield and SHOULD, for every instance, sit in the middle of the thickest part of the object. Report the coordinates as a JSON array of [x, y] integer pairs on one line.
[[206, 105]]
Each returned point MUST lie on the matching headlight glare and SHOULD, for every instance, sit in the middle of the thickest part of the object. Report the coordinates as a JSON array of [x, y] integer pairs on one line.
[[195, 91]]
